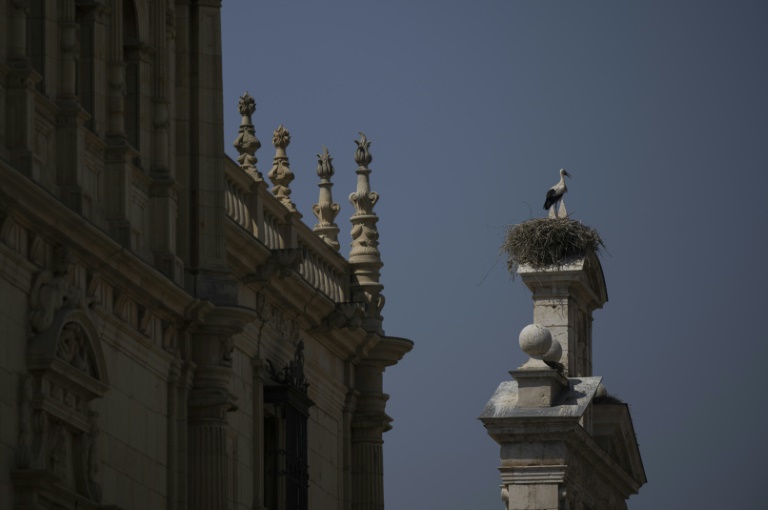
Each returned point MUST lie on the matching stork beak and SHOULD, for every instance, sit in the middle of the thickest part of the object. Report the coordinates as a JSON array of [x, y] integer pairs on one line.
[[566, 174]]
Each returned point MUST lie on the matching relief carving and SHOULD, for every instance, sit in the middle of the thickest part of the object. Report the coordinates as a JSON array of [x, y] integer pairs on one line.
[[74, 348], [345, 315], [50, 294]]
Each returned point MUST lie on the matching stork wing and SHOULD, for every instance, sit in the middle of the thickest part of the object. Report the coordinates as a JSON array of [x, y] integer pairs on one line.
[[551, 199]]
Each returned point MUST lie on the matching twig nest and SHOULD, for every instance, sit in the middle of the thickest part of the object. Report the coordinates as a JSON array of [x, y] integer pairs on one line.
[[536, 341], [547, 242]]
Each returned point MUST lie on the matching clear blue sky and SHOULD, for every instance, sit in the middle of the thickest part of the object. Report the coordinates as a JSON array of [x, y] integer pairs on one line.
[[659, 110]]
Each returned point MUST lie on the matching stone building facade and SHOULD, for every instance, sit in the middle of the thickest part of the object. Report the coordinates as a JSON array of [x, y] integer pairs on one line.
[[565, 443], [172, 334]]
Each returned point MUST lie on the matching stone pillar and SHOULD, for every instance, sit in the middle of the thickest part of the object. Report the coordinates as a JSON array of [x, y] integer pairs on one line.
[[17, 28], [259, 376], [18, 89], [70, 119], [348, 413], [368, 426], [207, 275], [370, 421], [208, 405], [172, 431], [563, 301], [91, 62]]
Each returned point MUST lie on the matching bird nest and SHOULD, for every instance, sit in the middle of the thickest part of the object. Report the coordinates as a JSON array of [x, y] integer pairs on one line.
[[546, 242]]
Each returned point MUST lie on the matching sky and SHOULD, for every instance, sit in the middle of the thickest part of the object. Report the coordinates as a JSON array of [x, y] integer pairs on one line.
[[659, 110]]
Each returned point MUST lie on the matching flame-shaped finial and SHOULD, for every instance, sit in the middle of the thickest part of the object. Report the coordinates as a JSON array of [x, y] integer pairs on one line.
[[246, 142], [325, 209], [281, 174]]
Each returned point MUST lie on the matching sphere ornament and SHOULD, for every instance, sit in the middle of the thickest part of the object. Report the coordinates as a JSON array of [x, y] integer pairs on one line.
[[535, 340], [554, 353]]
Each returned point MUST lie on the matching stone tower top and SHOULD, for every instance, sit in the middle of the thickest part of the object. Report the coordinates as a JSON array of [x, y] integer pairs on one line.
[[564, 298]]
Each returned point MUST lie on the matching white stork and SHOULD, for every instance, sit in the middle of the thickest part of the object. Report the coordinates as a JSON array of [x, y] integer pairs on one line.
[[556, 192]]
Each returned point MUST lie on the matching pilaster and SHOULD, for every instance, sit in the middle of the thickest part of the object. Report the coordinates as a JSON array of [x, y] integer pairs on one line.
[[207, 274], [259, 376], [209, 403], [370, 421], [18, 90]]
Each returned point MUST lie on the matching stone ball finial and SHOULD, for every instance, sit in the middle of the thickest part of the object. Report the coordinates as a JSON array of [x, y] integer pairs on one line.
[[554, 353], [535, 341]]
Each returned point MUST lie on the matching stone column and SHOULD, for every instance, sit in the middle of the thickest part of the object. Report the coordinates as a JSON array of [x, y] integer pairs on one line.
[[70, 119], [208, 405], [259, 375], [207, 276], [368, 426], [19, 81], [348, 413], [172, 431], [370, 421]]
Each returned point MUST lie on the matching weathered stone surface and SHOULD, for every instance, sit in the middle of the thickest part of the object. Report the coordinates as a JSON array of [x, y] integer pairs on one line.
[[561, 447], [146, 281]]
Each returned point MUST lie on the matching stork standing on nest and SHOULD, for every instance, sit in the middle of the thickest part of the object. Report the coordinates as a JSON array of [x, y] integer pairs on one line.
[[555, 195]]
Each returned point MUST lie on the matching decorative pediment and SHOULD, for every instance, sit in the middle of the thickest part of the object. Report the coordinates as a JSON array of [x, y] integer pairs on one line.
[[595, 277], [69, 349], [612, 429], [58, 431]]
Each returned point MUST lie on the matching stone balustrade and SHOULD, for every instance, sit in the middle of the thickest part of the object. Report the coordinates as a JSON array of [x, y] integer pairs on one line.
[[252, 207]]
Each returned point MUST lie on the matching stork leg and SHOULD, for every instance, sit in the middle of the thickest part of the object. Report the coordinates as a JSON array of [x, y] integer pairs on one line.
[[552, 211]]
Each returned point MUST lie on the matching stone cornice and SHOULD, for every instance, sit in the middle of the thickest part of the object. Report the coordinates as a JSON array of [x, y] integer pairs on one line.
[[568, 431], [94, 247]]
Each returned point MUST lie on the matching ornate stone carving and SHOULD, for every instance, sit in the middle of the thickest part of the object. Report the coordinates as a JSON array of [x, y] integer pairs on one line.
[[363, 199], [325, 209], [74, 348], [364, 255], [345, 315], [281, 264], [246, 142], [281, 174], [49, 294], [285, 327]]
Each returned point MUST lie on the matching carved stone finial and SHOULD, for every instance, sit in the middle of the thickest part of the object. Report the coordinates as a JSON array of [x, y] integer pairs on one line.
[[362, 156], [246, 142], [325, 209], [364, 255], [364, 240], [246, 105], [280, 174]]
